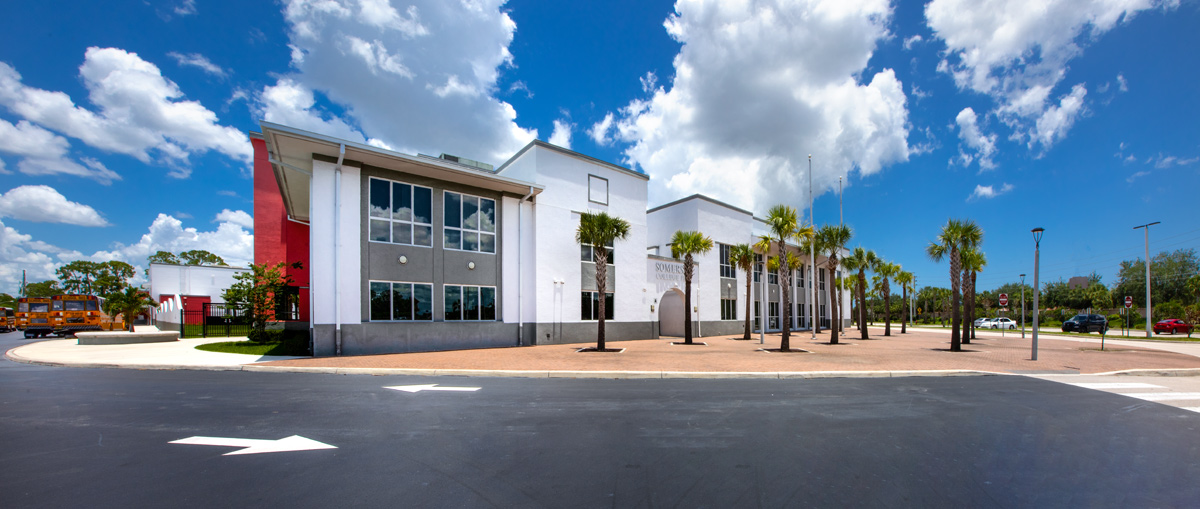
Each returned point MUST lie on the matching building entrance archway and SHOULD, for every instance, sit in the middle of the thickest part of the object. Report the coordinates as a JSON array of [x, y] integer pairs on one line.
[[671, 314]]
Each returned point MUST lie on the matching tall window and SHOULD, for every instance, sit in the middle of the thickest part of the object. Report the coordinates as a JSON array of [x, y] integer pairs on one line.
[[470, 303], [726, 267], [590, 306], [587, 254], [824, 318], [802, 276], [821, 282], [729, 309], [773, 315], [401, 301], [758, 260], [772, 276], [400, 213], [469, 223], [757, 315]]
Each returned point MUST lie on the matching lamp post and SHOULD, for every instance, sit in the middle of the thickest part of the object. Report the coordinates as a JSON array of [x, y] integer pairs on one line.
[[1037, 243], [812, 258], [1022, 306], [1149, 314]]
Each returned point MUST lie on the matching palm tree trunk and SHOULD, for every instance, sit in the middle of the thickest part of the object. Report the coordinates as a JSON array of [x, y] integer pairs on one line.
[[749, 279], [687, 300], [833, 327], [887, 308], [955, 282], [862, 303], [904, 298], [968, 311], [785, 292], [972, 304], [601, 285]]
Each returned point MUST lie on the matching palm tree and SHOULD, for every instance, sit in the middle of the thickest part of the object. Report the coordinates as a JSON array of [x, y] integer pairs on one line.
[[905, 279], [886, 271], [742, 257], [831, 240], [783, 225], [956, 234], [861, 259], [128, 303], [684, 245], [973, 261], [600, 229]]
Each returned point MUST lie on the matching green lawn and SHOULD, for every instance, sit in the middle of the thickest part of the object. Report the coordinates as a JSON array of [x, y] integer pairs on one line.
[[291, 348]]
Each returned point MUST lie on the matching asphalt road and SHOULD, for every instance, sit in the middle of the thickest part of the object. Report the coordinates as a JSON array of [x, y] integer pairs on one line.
[[100, 438]]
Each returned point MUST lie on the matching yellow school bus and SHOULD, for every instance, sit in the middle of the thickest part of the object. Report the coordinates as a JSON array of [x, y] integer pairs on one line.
[[33, 316], [74, 313], [8, 320]]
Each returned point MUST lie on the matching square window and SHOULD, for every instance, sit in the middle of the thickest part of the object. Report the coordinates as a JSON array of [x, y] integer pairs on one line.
[[470, 241], [487, 242], [453, 239], [402, 233], [598, 189], [379, 231]]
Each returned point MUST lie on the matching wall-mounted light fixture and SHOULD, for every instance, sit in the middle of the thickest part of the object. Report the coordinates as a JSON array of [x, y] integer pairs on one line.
[[470, 265], [403, 259]]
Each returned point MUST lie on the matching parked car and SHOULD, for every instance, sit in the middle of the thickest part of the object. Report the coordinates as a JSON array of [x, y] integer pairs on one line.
[[1086, 323], [1172, 326], [1003, 323], [979, 322], [986, 323]]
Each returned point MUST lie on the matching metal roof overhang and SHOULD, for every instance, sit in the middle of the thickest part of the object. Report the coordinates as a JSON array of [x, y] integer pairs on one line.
[[291, 154]]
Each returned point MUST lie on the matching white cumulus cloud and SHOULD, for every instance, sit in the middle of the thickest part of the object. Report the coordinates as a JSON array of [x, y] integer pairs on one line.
[[44, 204], [986, 192], [419, 79], [561, 135], [759, 86], [238, 217], [1017, 52], [198, 61], [975, 144], [138, 111]]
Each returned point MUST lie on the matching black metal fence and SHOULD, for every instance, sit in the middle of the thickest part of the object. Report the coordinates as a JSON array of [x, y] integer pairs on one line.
[[216, 320]]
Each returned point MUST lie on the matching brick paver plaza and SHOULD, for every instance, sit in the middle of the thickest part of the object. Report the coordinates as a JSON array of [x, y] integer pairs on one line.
[[916, 350]]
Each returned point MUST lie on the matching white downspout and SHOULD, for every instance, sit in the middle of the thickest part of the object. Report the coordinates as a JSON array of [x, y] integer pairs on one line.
[[520, 263], [337, 246]]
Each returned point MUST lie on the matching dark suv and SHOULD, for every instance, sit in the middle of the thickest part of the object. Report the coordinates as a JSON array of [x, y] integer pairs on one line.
[[1086, 323]]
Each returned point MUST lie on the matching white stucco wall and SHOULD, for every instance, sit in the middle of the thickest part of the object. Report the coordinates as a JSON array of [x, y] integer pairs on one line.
[[191, 280], [348, 246]]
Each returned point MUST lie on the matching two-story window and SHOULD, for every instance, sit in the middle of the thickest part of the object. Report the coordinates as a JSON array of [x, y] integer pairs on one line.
[[590, 306], [758, 261], [469, 223], [477, 303], [727, 268], [587, 254], [397, 301], [821, 281], [400, 213]]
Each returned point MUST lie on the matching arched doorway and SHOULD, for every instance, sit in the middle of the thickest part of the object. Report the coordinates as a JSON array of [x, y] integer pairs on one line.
[[671, 314]]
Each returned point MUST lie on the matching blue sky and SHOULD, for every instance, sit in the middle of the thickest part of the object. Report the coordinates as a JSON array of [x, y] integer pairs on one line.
[[122, 124]]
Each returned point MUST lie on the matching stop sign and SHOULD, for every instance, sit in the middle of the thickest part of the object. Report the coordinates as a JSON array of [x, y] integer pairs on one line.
[[1128, 301], [1004, 299]]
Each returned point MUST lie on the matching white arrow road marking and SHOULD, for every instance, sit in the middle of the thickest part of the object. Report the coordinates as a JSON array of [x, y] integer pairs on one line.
[[256, 446], [1165, 396], [430, 387], [1118, 385]]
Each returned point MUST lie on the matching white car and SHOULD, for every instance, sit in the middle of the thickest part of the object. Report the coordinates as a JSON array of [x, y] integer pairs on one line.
[[1002, 323], [983, 323]]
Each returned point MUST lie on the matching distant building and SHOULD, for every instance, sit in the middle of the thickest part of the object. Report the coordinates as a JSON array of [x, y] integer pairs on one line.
[[1080, 282], [195, 285]]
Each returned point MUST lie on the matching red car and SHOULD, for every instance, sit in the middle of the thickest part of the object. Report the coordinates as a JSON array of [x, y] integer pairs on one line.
[[1172, 326]]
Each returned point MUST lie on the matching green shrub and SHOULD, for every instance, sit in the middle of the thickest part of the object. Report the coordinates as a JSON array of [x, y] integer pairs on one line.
[[265, 336]]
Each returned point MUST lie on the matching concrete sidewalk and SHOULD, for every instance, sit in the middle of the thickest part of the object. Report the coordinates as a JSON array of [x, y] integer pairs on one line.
[[918, 353]]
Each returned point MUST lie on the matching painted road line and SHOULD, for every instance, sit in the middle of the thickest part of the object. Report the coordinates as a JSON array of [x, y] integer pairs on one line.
[[1117, 385], [1165, 396], [430, 387], [256, 446]]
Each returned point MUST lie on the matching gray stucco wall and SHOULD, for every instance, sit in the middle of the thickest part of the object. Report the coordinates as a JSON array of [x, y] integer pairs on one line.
[[377, 338]]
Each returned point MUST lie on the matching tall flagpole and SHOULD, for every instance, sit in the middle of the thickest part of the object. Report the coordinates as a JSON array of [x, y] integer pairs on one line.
[[812, 258]]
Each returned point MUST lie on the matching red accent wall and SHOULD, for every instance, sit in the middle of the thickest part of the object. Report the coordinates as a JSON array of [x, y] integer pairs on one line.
[[276, 239]]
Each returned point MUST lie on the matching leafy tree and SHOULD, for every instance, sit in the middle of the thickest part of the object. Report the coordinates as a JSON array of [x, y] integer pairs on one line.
[[200, 257], [905, 279], [48, 288], [78, 276], [684, 245], [128, 303], [1169, 275], [783, 225], [956, 234], [1193, 318], [600, 229], [861, 260], [7, 301], [742, 257], [886, 271], [164, 257], [831, 240], [255, 292], [112, 276], [1193, 288]]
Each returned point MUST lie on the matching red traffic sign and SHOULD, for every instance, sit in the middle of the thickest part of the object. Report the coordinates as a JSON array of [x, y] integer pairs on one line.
[[1128, 301], [1004, 299]]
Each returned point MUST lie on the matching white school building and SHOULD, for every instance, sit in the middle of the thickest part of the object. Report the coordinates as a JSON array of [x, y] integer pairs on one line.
[[406, 253]]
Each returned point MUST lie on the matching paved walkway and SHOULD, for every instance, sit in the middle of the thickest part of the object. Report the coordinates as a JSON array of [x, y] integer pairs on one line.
[[920, 352]]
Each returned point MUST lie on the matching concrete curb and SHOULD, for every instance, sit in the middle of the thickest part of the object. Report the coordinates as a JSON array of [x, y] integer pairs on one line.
[[1154, 372]]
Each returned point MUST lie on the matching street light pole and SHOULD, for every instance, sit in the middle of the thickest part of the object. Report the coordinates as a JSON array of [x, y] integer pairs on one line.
[[1149, 313], [812, 258], [1037, 246], [1022, 306]]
